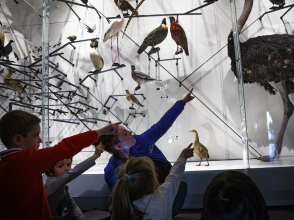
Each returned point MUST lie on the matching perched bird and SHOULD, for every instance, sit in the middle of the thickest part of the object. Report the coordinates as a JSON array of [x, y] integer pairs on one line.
[[140, 77], [16, 86], [179, 36], [25, 58], [2, 38], [90, 30], [72, 38], [280, 3], [125, 6], [85, 2], [16, 57], [56, 45], [113, 29], [38, 84], [73, 113], [61, 111], [5, 51], [95, 56], [87, 109], [40, 112], [37, 97], [200, 149], [132, 99], [104, 111], [154, 37]]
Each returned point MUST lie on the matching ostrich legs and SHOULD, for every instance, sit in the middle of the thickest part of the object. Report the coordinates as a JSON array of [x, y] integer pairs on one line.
[[269, 61]]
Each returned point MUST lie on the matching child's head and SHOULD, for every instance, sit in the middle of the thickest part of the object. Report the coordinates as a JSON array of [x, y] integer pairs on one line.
[[233, 195], [136, 179], [20, 129], [59, 168]]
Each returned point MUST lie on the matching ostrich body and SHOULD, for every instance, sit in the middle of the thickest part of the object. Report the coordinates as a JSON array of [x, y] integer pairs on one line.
[[113, 29], [267, 60], [200, 149]]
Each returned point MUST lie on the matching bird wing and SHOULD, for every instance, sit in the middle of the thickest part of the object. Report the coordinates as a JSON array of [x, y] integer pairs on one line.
[[178, 34], [156, 36], [113, 29], [94, 27], [142, 75], [134, 99]]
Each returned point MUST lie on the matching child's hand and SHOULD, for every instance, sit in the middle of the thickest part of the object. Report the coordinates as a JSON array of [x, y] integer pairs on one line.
[[188, 97], [98, 150], [109, 129], [187, 152]]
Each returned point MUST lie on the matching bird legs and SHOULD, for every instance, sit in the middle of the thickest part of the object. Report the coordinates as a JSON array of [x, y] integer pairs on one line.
[[153, 50], [288, 111], [201, 161], [115, 64], [179, 51]]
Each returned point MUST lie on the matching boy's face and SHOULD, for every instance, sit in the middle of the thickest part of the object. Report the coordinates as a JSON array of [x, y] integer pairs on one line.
[[32, 140], [61, 167]]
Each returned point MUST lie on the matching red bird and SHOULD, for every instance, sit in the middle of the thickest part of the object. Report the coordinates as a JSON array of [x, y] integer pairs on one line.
[[179, 36]]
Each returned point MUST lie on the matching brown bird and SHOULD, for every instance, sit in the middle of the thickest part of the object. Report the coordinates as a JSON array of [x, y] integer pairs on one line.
[[104, 111], [16, 86], [83, 111], [125, 6], [61, 111], [132, 99], [179, 36], [200, 149], [72, 38], [154, 37], [38, 84]]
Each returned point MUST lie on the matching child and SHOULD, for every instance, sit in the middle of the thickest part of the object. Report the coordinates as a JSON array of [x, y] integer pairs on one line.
[[22, 194], [138, 195], [57, 191]]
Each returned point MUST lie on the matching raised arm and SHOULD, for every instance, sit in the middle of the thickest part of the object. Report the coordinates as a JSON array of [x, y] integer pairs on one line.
[[161, 127]]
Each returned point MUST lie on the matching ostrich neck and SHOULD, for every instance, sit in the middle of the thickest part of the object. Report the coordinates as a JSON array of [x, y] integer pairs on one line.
[[196, 138], [245, 13]]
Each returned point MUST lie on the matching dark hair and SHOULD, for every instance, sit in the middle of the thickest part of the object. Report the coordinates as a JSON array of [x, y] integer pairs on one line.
[[16, 122], [232, 195], [109, 142], [140, 181], [97, 142], [51, 170]]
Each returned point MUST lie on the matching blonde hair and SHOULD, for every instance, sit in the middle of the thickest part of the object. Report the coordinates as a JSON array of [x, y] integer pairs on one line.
[[136, 179]]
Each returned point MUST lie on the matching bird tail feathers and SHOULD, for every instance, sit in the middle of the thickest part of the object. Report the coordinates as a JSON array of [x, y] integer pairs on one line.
[[142, 47], [186, 50]]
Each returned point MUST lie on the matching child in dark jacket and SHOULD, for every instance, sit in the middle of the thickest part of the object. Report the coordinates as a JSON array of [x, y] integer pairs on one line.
[[61, 204]]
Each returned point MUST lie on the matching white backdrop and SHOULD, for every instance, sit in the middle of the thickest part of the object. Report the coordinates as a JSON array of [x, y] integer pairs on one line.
[[215, 111]]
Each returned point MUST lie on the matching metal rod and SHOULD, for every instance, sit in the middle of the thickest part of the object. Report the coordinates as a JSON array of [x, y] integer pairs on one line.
[[71, 122], [73, 10], [66, 60], [156, 15]]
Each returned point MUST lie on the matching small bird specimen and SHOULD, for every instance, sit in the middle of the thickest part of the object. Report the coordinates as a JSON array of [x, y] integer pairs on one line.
[[61, 111], [200, 149], [2, 37], [83, 111], [72, 38], [5, 51], [132, 99], [90, 30], [38, 84], [112, 30], [154, 37], [25, 58], [104, 111], [16, 57], [73, 113], [125, 6], [140, 77], [85, 2], [280, 3], [12, 84], [95, 56], [179, 36]]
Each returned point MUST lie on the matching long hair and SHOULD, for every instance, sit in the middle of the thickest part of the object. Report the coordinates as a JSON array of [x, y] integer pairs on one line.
[[136, 179], [232, 195], [16, 122]]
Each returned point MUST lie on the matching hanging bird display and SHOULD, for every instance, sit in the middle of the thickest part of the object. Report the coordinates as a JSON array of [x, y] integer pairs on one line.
[[140, 77], [95, 56], [112, 30], [90, 30], [269, 61], [132, 99], [154, 37], [5, 51], [125, 6], [179, 36], [200, 149], [72, 38], [14, 85]]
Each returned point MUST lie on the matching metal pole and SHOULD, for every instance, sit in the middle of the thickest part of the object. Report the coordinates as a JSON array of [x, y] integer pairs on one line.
[[240, 85], [45, 73]]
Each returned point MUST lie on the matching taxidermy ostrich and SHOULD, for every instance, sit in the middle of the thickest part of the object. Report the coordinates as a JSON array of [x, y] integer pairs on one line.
[[269, 61], [113, 30]]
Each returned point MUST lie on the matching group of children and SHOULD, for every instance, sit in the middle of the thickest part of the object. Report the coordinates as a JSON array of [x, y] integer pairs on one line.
[[142, 182]]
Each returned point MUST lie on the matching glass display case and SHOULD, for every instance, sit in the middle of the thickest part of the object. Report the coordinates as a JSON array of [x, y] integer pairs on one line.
[[82, 97]]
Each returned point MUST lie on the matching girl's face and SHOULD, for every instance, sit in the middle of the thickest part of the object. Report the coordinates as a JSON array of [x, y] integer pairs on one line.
[[125, 137], [61, 167]]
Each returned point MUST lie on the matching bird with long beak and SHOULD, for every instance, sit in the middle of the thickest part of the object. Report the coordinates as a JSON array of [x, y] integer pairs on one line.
[[112, 30]]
